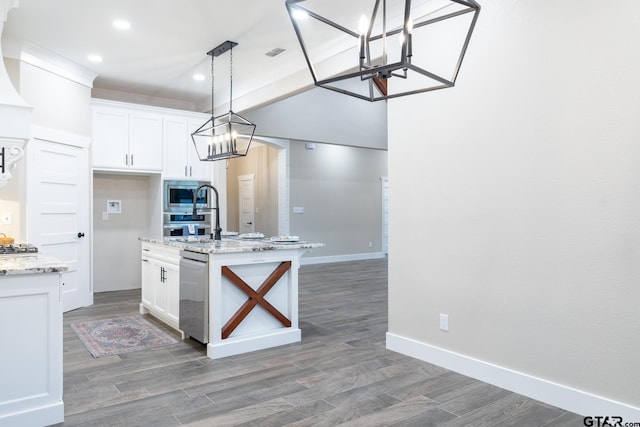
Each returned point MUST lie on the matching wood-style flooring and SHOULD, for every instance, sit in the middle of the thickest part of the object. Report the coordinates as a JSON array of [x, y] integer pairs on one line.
[[340, 374]]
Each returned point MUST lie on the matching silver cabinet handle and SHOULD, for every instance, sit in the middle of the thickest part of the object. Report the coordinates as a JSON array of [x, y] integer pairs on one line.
[[185, 170], [132, 160], [126, 159]]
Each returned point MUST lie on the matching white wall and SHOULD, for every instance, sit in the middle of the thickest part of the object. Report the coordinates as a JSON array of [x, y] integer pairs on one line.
[[339, 189], [515, 200], [116, 249], [12, 198], [321, 115], [58, 103]]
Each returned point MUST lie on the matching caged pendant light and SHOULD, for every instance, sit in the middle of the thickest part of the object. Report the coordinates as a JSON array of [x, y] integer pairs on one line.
[[228, 135], [381, 49]]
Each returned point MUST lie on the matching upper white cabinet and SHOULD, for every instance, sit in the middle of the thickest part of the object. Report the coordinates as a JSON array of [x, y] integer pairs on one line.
[[126, 139], [110, 145], [139, 138], [180, 158]]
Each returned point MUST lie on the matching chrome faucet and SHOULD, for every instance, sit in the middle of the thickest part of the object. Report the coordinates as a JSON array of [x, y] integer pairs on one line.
[[217, 208]]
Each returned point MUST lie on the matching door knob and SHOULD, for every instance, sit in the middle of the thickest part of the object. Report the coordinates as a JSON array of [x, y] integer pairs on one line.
[[80, 235]]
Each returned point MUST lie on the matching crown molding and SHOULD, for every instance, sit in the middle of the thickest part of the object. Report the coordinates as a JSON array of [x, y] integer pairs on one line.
[[32, 54], [5, 6]]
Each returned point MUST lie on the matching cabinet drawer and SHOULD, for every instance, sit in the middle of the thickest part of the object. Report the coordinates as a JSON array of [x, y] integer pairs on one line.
[[162, 253]]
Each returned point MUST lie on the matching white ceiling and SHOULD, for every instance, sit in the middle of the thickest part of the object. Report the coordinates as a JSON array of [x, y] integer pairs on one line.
[[167, 44]]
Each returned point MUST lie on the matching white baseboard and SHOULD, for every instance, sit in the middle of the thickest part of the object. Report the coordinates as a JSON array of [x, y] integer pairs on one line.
[[49, 414], [567, 398], [341, 258], [240, 345]]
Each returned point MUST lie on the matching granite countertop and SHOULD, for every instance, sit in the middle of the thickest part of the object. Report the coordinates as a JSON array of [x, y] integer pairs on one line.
[[30, 264], [231, 245]]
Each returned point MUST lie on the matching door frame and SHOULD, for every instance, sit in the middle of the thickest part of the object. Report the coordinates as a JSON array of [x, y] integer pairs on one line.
[[282, 146], [56, 136], [247, 177]]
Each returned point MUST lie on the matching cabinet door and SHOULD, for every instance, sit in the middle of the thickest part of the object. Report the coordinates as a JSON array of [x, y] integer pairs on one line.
[[172, 288], [160, 294], [31, 368], [176, 137], [148, 283], [198, 170], [145, 141], [109, 148]]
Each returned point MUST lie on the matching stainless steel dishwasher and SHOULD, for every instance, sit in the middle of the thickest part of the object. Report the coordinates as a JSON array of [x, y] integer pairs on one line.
[[194, 295]]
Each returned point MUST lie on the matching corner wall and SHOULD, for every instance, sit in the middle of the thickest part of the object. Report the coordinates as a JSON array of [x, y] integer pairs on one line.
[[516, 211], [339, 188]]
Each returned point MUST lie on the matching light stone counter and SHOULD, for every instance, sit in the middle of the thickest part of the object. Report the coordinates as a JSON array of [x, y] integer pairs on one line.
[[231, 245], [30, 264]]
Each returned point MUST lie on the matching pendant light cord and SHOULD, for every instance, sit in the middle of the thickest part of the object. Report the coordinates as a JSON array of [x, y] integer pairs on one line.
[[384, 32], [212, 85], [231, 80]]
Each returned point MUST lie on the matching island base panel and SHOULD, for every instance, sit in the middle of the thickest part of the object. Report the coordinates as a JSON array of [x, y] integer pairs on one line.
[[233, 346]]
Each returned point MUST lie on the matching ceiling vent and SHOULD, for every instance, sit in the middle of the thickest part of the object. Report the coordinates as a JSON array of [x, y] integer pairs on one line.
[[275, 52]]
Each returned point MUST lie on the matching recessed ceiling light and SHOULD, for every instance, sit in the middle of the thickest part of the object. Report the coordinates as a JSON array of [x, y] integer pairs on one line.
[[121, 24], [94, 58], [198, 77]]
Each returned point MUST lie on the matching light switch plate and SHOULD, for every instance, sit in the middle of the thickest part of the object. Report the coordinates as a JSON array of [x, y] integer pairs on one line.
[[444, 322]]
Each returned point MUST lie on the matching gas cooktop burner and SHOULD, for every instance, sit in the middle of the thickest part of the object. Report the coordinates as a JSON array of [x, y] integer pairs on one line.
[[19, 249]]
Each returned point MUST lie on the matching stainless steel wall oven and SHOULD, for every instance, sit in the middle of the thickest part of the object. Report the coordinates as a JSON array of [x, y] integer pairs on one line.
[[178, 209]]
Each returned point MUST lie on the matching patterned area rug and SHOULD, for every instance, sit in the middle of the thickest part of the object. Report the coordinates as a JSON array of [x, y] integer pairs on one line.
[[120, 335]]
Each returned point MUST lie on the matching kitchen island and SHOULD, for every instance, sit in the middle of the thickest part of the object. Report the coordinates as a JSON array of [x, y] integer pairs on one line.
[[252, 292], [31, 333]]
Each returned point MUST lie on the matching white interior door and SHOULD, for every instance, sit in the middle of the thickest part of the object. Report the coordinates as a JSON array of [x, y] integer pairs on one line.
[[246, 197], [58, 212]]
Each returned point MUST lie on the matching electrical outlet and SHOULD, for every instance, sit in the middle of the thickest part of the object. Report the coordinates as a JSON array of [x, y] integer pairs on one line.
[[298, 209], [6, 217], [444, 322], [370, 244]]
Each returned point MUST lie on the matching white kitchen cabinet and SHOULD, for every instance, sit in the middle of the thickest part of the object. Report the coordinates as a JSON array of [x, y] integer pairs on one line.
[[110, 143], [172, 289], [161, 283], [148, 283], [180, 157], [31, 355], [126, 139]]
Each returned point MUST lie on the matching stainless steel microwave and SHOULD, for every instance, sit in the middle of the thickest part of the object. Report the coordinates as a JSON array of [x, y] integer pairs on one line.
[[178, 195]]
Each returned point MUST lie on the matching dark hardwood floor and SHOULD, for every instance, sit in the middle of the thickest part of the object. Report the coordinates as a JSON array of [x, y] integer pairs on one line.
[[340, 374]]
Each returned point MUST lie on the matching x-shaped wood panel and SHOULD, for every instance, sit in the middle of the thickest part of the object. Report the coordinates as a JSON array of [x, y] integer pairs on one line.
[[255, 297]]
